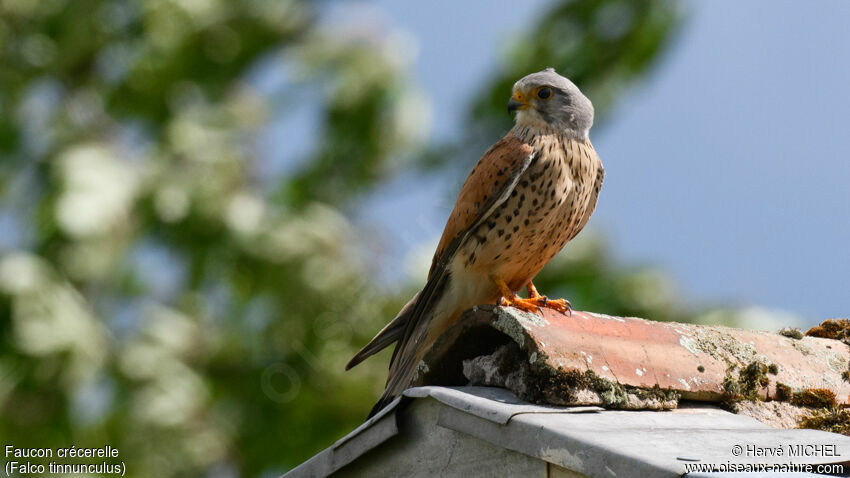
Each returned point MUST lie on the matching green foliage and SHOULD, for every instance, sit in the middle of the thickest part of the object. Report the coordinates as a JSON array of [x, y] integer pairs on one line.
[[156, 294]]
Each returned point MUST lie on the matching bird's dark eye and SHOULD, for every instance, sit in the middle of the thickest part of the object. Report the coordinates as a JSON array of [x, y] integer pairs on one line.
[[544, 93]]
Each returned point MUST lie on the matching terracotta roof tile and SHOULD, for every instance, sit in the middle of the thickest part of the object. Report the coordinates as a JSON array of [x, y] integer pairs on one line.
[[627, 362]]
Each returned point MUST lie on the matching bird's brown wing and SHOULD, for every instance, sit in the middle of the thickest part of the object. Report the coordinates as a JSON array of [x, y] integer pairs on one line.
[[489, 184], [495, 174]]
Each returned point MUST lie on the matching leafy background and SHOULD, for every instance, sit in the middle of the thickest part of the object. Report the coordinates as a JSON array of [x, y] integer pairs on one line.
[[164, 292]]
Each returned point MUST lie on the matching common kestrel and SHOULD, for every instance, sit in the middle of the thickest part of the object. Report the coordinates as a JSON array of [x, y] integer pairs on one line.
[[529, 195]]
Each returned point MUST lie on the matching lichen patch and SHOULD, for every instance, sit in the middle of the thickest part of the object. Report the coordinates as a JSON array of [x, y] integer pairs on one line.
[[421, 369], [689, 344], [506, 324], [606, 316]]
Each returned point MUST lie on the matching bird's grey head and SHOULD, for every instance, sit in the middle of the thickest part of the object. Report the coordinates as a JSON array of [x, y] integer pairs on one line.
[[547, 98]]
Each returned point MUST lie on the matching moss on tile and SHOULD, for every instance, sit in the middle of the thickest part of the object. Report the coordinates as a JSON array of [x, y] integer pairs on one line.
[[815, 398], [753, 378], [784, 393], [837, 329], [791, 332], [745, 383], [834, 419], [567, 387]]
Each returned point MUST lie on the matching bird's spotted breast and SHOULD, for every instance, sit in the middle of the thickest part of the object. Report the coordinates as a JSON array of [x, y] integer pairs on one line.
[[547, 208]]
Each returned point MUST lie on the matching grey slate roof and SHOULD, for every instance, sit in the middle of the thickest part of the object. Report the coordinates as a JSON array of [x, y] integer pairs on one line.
[[586, 440]]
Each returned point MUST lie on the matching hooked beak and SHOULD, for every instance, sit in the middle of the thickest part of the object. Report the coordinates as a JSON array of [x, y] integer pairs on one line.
[[517, 102], [514, 105]]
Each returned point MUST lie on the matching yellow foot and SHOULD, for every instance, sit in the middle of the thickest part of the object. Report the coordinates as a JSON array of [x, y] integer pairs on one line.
[[561, 305], [534, 303], [520, 303]]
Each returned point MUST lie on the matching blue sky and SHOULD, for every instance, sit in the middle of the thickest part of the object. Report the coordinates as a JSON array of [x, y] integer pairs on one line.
[[728, 167]]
